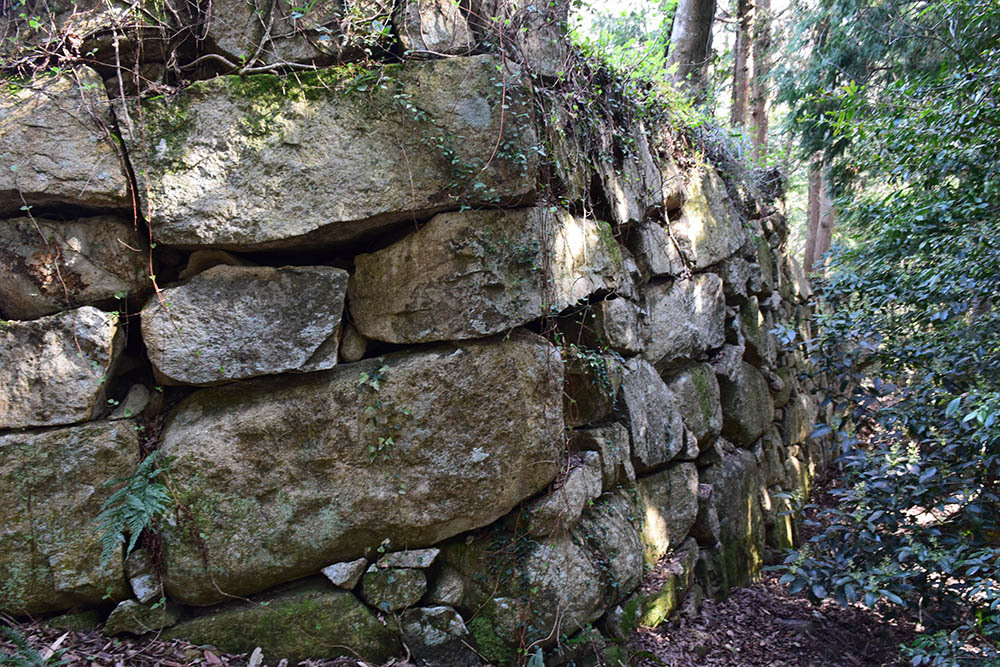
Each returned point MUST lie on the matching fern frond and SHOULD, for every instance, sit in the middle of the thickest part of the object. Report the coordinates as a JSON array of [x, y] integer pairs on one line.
[[132, 508]]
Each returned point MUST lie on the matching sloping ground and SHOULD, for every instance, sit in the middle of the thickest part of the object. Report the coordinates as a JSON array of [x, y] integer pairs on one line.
[[763, 625]]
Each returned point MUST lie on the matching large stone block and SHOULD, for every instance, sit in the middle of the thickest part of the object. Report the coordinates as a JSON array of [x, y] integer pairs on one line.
[[56, 367], [477, 273], [433, 27], [654, 421], [48, 266], [56, 146], [234, 322], [709, 229], [52, 487], [655, 252], [685, 319], [747, 407], [319, 32], [736, 483], [286, 475], [311, 620], [321, 158], [697, 392], [669, 505]]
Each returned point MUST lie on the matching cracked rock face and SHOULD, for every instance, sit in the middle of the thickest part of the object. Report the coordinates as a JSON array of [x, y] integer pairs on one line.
[[47, 266], [54, 147], [233, 322], [55, 369]]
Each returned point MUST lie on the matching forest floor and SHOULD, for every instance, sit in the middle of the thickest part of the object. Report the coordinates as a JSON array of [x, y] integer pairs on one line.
[[763, 625], [760, 625]]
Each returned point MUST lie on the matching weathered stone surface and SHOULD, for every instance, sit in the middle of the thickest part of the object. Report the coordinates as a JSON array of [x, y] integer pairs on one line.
[[142, 576], [653, 418], [736, 483], [669, 505], [655, 252], [561, 508], [797, 424], [592, 385], [352, 345], [611, 323], [706, 528], [268, 161], [434, 27], [788, 384], [540, 33], [709, 230], [55, 367], [685, 318], [740, 278], [322, 32], [235, 322], [570, 579], [438, 636], [612, 443], [77, 621], [203, 260], [801, 289], [774, 451], [347, 574], [634, 190], [761, 350], [135, 403], [48, 266], [53, 146], [285, 475], [416, 558], [313, 620], [747, 408], [663, 591], [447, 589], [136, 618], [51, 491], [697, 393], [394, 588], [477, 273]]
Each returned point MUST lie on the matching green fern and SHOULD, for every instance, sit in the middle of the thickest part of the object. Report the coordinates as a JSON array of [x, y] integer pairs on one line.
[[132, 508], [27, 655]]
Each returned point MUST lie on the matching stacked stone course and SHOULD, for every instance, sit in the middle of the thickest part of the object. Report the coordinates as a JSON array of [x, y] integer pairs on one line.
[[489, 420]]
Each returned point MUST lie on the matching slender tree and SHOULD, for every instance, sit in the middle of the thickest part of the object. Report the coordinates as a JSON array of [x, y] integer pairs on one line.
[[761, 73], [691, 44], [741, 65]]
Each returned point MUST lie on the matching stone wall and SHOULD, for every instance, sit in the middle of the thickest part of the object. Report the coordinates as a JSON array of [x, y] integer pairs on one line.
[[423, 366]]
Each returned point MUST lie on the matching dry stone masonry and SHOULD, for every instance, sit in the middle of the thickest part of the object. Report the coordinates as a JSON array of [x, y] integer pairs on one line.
[[427, 372]]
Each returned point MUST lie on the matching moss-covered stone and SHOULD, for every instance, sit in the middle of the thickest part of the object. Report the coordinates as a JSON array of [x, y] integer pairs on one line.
[[268, 162], [393, 588], [52, 487], [312, 620], [490, 643], [77, 621], [136, 618]]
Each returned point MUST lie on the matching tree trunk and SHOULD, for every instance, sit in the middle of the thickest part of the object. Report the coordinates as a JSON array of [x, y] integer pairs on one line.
[[827, 218], [691, 43], [761, 70], [741, 68], [812, 213]]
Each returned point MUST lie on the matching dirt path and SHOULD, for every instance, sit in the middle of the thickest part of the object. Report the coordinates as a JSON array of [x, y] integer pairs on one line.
[[764, 626]]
